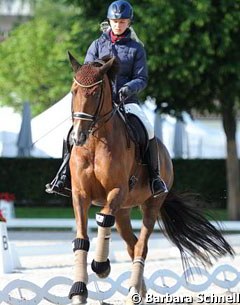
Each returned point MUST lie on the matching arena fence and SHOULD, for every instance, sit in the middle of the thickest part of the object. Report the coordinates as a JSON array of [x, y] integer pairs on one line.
[[47, 223], [163, 282]]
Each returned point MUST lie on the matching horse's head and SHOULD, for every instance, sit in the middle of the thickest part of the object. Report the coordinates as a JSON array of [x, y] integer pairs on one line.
[[90, 81]]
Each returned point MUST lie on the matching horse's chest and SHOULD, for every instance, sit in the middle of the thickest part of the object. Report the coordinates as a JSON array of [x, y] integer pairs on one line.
[[94, 170], [97, 173]]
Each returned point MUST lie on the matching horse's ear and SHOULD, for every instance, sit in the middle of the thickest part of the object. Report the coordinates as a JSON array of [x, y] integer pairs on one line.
[[75, 64], [107, 65]]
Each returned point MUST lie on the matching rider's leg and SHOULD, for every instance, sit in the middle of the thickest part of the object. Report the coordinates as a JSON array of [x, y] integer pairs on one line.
[[61, 184], [157, 185]]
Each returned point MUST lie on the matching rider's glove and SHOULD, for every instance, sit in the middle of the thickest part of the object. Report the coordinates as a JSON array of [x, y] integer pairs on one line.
[[124, 93]]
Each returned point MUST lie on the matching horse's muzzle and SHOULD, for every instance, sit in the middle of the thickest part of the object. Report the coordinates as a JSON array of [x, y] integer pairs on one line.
[[80, 139]]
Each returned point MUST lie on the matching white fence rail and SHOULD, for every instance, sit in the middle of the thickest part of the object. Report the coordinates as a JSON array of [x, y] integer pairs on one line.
[[38, 223], [224, 276]]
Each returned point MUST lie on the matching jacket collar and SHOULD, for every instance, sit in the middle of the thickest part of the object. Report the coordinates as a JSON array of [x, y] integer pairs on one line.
[[123, 38]]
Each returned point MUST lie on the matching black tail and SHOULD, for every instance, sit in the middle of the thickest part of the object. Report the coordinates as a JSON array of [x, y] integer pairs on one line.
[[191, 232]]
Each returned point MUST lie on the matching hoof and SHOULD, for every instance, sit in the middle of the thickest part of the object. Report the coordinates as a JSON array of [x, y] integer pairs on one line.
[[104, 274], [133, 298], [78, 300], [78, 293], [102, 269], [143, 291]]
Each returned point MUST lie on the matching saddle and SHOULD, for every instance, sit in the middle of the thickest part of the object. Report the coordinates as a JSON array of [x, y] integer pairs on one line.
[[136, 131], [138, 134]]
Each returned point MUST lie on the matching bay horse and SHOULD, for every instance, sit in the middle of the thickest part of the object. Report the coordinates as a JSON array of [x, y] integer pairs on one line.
[[101, 164]]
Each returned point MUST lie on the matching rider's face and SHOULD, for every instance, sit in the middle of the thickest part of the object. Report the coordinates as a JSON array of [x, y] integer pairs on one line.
[[119, 26]]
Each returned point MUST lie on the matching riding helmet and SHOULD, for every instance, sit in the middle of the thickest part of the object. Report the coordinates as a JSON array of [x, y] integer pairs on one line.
[[120, 10]]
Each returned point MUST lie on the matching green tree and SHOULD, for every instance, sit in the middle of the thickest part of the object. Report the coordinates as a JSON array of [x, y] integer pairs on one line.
[[194, 63], [193, 58], [33, 60]]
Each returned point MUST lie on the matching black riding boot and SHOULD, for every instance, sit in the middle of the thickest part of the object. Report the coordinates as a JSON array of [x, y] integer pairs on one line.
[[61, 184], [157, 185]]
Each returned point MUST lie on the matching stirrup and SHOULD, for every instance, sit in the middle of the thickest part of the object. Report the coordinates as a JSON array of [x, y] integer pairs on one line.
[[50, 186], [158, 186], [57, 187]]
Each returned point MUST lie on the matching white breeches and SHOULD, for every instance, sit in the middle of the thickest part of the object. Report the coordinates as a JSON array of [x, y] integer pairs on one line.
[[137, 110]]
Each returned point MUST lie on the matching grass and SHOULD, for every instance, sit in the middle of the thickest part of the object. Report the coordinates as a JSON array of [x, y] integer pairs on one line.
[[58, 212], [216, 214]]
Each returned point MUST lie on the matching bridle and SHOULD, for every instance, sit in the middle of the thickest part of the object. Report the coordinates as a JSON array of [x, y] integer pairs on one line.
[[96, 118], [83, 115], [87, 86]]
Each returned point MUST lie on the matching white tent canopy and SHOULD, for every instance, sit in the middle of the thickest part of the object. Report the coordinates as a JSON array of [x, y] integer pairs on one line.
[[193, 134], [51, 126], [9, 127], [204, 139]]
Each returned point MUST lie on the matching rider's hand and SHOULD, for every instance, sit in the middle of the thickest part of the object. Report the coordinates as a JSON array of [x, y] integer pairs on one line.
[[124, 93]]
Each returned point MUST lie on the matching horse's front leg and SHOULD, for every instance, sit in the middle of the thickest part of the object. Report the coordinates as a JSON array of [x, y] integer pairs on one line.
[[150, 214], [78, 293], [105, 220]]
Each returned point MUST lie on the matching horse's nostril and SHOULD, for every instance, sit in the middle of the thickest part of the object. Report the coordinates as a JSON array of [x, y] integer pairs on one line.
[[79, 139]]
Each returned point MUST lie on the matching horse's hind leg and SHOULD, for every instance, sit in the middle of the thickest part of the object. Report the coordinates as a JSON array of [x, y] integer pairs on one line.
[[124, 228], [150, 214]]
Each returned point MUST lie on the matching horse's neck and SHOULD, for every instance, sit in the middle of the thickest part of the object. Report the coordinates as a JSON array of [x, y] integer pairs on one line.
[[107, 108], [110, 126], [111, 135]]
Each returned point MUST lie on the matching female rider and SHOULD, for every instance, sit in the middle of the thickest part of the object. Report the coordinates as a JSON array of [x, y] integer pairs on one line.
[[130, 80]]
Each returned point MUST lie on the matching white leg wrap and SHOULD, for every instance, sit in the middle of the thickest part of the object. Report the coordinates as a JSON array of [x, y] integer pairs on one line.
[[137, 110], [137, 273], [102, 247], [80, 271]]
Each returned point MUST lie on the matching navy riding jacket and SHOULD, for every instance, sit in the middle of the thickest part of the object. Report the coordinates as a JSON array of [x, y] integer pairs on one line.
[[132, 57]]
